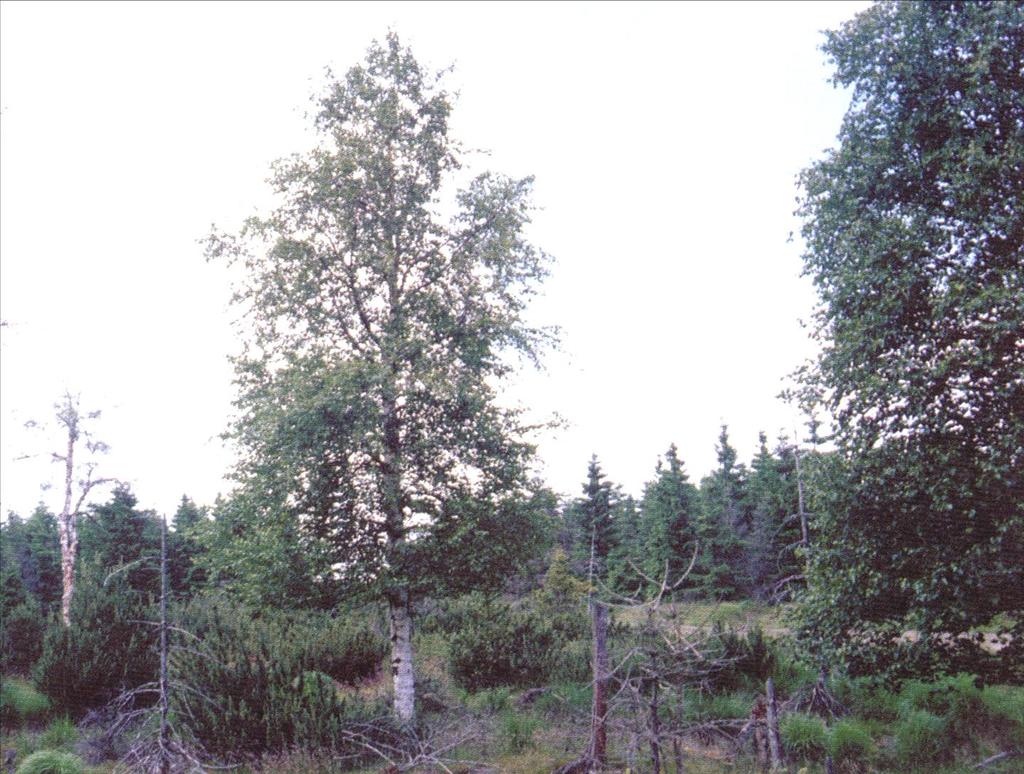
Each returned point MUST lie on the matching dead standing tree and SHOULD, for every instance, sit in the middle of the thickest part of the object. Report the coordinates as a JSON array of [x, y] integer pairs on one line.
[[71, 419], [657, 659]]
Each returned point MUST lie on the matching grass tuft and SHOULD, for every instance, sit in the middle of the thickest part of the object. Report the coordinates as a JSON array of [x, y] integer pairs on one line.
[[20, 702]]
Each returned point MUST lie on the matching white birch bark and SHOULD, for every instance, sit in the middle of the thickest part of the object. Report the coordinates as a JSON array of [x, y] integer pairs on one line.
[[402, 671]]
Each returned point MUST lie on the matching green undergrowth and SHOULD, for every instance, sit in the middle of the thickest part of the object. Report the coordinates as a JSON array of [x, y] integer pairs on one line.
[[21, 702]]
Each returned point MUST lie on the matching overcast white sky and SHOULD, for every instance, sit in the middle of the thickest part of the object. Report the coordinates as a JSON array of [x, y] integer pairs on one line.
[[665, 140]]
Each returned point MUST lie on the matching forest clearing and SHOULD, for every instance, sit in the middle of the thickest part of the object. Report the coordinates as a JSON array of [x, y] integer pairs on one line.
[[390, 584]]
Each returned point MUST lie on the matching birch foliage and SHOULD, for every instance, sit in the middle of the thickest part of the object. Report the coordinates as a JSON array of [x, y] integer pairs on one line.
[[377, 331]]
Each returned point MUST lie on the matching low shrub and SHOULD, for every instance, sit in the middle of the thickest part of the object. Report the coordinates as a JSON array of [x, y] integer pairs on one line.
[[502, 646], [804, 736], [60, 734], [790, 673], [868, 699], [260, 692], [20, 702], [921, 740], [1005, 705], [850, 740], [957, 699], [719, 706], [516, 731], [749, 658], [570, 661], [104, 651], [489, 699], [347, 649], [565, 697], [51, 762], [21, 637]]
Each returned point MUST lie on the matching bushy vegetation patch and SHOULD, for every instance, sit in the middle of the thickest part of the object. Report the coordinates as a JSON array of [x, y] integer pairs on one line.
[[258, 689], [60, 734], [51, 762], [565, 698], [20, 702], [868, 699], [957, 698], [804, 736], [347, 648], [700, 707], [502, 646], [922, 740], [749, 658], [104, 651], [21, 637], [849, 740], [1004, 704], [790, 672]]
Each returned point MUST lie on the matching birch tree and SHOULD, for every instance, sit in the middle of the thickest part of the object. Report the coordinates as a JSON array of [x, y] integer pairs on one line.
[[377, 331], [914, 240]]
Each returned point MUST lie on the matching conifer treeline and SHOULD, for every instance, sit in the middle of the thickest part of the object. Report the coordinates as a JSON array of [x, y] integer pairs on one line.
[[742, 522]]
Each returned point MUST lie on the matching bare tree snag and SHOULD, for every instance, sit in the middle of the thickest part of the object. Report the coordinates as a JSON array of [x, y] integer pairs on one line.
[[165, 729], [758, 718], [601, 669], [654, 723], [774, 739], [69, 417]]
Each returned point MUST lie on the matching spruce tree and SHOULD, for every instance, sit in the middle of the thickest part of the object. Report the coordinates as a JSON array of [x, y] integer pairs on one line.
[[669, 515], [117, 534], [725, 527], [186, 576]]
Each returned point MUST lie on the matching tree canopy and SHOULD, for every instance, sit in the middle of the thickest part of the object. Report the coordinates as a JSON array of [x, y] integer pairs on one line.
[[377, 331], [915, 235]]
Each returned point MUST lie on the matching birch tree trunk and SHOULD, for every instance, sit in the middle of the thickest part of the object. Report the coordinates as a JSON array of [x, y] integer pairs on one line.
[[402, 672]]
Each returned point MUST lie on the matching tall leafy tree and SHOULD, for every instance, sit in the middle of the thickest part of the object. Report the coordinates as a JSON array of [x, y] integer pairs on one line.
[[254, 549], [914, 239], [377, 331]]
